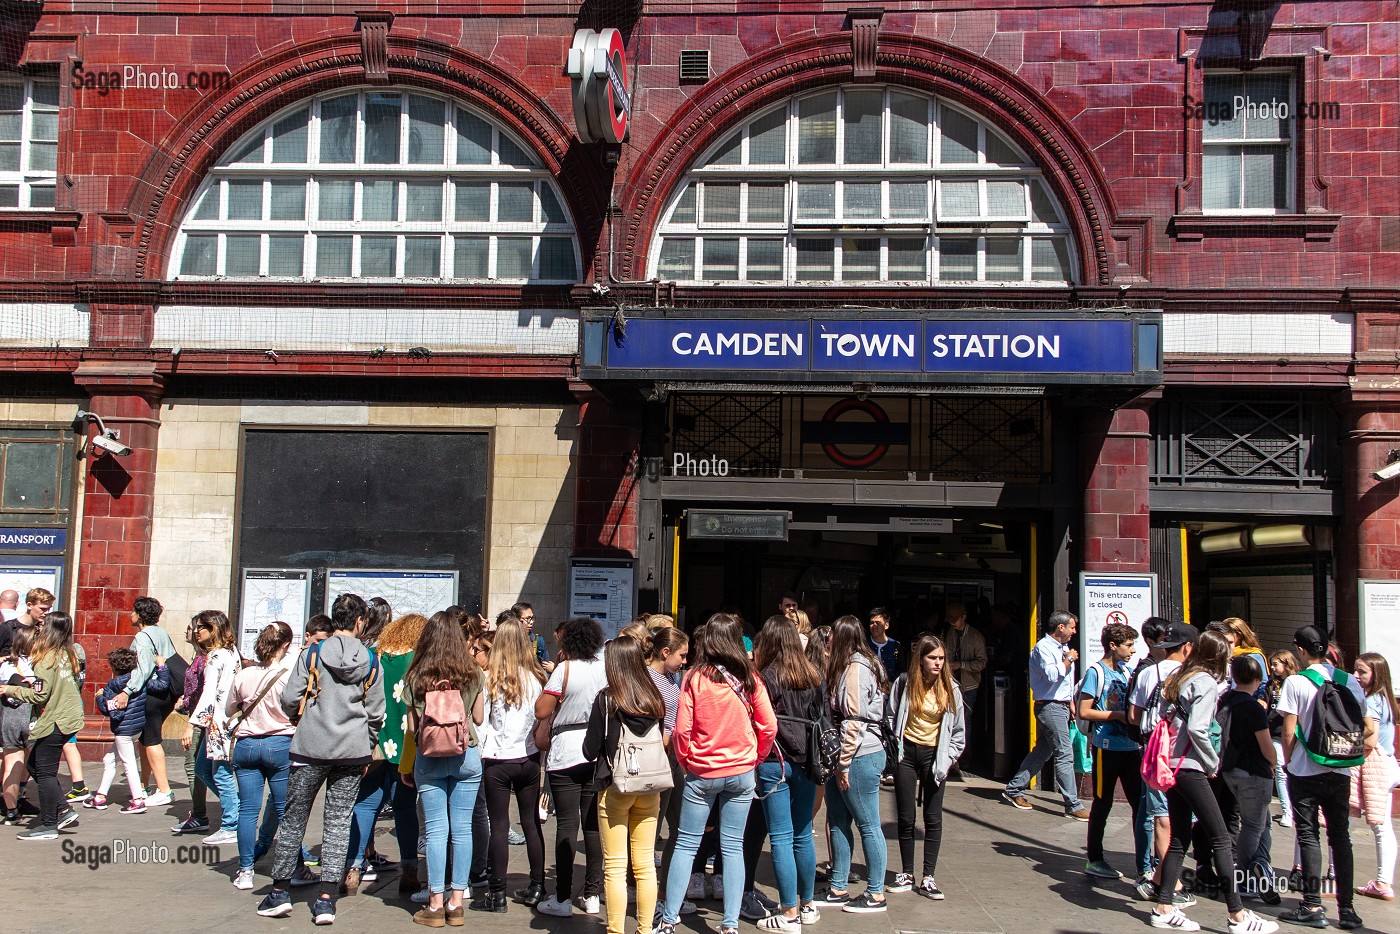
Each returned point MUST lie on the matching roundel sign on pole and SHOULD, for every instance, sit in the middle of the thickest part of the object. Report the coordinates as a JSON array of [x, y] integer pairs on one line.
[[598, 66]]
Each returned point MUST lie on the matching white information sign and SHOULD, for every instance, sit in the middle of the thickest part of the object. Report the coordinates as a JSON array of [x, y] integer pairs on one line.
[[269, 595], [22, 576], [423, 592], [603, 588], [1380, 617], [1106, 599]]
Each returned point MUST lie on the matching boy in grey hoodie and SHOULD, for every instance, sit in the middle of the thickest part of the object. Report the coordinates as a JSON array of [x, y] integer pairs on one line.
[[334, 741]]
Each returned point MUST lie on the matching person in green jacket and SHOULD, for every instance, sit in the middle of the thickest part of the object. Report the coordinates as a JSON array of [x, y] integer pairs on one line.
[[56, 695]]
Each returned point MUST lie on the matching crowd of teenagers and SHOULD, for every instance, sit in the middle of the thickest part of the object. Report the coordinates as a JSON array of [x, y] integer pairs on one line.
[[732, 743]]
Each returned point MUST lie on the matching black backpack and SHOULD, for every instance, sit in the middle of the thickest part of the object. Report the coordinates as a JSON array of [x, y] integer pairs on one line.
[[822, 743], [1335, 734]]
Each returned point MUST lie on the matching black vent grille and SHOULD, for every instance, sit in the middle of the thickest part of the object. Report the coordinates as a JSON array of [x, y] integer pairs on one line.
[[695, 64]]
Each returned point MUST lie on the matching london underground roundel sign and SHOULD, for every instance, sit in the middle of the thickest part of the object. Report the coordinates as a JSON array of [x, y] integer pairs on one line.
[[598, 66]]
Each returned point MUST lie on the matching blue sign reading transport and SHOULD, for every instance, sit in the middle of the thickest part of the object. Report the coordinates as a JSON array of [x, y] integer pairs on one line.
[[33, 540], [1115, 347]]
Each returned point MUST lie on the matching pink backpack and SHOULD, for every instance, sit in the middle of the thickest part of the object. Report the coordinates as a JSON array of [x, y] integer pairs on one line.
[[442, 730], [1157, 768]]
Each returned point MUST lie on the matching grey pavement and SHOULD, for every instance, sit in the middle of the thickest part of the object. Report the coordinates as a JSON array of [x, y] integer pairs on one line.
[[1003, 870]]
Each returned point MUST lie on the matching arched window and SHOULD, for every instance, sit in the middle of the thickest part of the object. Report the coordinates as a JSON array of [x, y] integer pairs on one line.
[[866, 186], [378, 184]]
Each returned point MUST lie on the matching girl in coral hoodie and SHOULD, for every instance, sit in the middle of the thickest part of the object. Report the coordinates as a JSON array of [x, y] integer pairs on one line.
[[724, 727]]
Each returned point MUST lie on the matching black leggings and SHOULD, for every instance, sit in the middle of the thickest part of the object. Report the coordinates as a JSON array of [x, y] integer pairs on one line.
[[1190, 795], [499, 779], [914, 772], [576, 799], [43, 768], [1112, 767]]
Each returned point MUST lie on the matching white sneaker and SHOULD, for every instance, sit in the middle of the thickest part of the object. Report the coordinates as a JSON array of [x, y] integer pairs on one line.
[[809, 914], [1174, 920], [751, 910], [780, 924], [220, 838], [591, 905], [159, 799], [553, 906], [244, 880], [1253, 924], [696, 888], [717, 887]]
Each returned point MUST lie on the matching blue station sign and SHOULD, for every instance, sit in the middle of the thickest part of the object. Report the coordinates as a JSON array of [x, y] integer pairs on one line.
[[43, 541], [1118, 347]]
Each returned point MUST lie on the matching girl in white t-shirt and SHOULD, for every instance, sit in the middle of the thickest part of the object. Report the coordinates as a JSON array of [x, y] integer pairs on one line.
[[1380, 773]]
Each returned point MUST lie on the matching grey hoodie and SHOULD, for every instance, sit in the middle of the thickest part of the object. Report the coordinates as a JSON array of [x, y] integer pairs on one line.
[[952, 737], [341, 723], [1195, 710]]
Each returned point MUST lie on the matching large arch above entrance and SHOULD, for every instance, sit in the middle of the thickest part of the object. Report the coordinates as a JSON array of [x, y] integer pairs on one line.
[[973, 83]]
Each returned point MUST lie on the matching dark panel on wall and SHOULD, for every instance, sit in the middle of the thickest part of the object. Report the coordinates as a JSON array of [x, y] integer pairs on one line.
[[366, 499]]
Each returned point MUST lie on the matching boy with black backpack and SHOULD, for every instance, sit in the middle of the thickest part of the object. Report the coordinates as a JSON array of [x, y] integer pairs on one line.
[[1324, 729]]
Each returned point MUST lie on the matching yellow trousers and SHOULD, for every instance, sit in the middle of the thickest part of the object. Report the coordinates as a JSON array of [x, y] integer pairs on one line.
[[628, 823]]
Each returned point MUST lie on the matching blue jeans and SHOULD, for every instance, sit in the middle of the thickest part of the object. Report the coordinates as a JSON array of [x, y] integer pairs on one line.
[[219, 776], [1152, 806], [1052, 739], [734, 794], [259, 760], [787, 807], [862, 802], [447, 787], [382, 783]]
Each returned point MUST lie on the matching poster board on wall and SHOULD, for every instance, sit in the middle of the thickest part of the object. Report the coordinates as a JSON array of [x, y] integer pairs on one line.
[[604, 589], [271, 594], [1113, 598], [408, 591], [1380, 617], [24, 573]]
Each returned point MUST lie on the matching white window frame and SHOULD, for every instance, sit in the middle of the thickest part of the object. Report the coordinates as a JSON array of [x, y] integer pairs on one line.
[[1290, 142], [25, 179], [885, 226], [449, 174]]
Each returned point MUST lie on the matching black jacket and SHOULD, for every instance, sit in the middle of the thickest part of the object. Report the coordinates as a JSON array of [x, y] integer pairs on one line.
[[604, 730]]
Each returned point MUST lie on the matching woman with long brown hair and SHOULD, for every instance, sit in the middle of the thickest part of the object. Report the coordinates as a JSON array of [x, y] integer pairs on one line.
[[632, 705], [856, 686], [1377, 776], [511, 761], [1282, 664], [447, 783], [925, 711], [785, 793], [724, 727], [1189, 699]]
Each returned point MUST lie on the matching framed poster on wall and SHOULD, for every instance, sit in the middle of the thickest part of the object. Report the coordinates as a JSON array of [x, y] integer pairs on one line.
[[1380, 616], [424, 592], [604, 589], [1105, 599], [271, 594], [24, 573]]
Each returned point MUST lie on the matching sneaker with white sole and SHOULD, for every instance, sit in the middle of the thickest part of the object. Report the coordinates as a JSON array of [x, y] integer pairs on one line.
[[1253, 924], [750, 909], [929, 889], [864, 904], [903, 882], [553, 906], [833, 899], [808, 914], [134, 807], [159, 799], [244, 880], [780, 924], [275, 904], [696, 888], [323, 911], [220, 837], [1173, 920], [591, 904]]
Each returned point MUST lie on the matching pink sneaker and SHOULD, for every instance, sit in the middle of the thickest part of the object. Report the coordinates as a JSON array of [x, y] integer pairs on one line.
[[136, 807], [1374, 889], [96, 801]]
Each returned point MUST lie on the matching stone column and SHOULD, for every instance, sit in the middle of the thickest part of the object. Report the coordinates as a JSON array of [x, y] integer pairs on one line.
[[1115, 447], [609, 479]]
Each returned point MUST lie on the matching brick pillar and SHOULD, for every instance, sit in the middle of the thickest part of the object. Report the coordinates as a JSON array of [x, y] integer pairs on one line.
[[1114, 449], [1368, 546], [118, 496], [605, 510]]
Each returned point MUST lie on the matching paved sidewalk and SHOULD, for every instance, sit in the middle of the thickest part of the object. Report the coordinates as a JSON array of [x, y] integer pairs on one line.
[[1003, 871]]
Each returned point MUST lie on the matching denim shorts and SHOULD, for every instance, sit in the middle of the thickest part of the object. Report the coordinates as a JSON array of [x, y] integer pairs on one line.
[[1155, 801]]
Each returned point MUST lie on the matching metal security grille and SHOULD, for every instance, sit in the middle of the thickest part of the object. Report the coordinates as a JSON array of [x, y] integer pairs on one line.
[[1274, 442], [987, 439], [746, 430], [695, 64]]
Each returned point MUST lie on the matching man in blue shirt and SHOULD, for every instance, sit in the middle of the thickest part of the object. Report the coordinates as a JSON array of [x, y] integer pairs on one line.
[[1052, 687], [1103, 705], [885, 648]]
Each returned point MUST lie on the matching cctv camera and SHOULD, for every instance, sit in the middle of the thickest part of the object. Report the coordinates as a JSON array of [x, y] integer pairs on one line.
[[111, 445], [1388, 472]]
